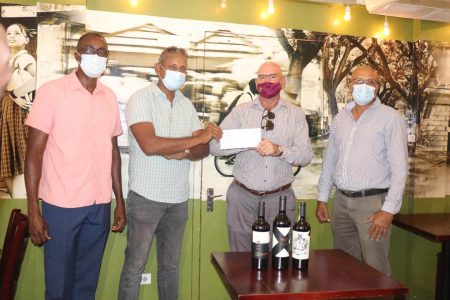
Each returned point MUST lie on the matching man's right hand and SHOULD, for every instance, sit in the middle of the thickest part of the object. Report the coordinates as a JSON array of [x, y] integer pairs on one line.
[[322, 212], [211, 131], [38, 230]]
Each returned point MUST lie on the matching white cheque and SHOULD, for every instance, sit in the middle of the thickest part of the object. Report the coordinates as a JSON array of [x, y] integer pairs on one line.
[[240, 138]]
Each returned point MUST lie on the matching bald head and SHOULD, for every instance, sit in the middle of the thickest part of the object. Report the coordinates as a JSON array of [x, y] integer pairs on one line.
[[5, 71], [269, 67], [366, 72]]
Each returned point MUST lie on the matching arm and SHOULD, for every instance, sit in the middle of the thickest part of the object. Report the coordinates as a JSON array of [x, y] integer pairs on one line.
[[330, 158], [30, 84], [397, 156], [151, 144], [119, 213], [198, 152], [37, 141], [195, 153], [300, 153]]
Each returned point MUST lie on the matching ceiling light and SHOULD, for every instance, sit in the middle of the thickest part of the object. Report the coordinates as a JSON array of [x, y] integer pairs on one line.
[[347, 15], [223, 4], [271, 8], [386, 30], [134, 2]]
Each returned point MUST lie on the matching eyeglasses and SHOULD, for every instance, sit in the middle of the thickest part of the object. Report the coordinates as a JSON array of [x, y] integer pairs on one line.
[[266, 122], [103, 52], [366, 81], [262, 77]]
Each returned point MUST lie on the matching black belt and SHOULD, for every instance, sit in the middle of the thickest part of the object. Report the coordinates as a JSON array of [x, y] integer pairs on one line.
[[258, 193], [364, 193]]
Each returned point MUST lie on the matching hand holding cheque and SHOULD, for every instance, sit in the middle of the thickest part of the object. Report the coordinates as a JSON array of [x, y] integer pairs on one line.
[[248, 138]]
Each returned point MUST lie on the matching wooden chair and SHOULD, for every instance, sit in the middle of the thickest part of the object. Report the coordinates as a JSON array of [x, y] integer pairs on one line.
[[13, 251]]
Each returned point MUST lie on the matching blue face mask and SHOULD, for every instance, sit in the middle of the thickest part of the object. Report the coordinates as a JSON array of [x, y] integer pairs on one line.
[[363, 93], [173, 79]]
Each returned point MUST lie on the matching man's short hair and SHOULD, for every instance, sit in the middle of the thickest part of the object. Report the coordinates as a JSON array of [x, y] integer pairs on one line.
[[87, 35], [172, 50]]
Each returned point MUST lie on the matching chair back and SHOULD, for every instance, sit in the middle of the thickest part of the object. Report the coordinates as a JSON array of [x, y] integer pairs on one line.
[[13, 252]]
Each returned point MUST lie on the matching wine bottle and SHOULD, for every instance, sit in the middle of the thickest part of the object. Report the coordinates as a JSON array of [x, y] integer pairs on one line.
[[301, 233], [260, 240], [280, 238]]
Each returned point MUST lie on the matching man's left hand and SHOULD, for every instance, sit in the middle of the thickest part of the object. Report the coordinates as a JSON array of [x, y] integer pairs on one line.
[[120, 219], [177, 156], [267, 148], [381, 221]]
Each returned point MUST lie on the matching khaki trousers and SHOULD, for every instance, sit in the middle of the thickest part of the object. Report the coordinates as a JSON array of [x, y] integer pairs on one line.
[[350, 231]]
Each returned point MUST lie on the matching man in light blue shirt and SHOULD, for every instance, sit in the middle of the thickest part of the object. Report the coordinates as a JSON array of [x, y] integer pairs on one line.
[[367, 160], [165, 135]]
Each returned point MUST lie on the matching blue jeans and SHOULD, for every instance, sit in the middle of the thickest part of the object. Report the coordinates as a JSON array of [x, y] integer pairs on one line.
[[73, 255], [145, 218]]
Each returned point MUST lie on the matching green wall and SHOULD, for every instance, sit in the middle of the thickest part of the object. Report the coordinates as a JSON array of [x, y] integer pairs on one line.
[[413, 259], [289, 13]]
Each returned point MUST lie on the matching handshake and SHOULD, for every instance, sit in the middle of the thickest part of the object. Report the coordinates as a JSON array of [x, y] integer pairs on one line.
[[210, 131]]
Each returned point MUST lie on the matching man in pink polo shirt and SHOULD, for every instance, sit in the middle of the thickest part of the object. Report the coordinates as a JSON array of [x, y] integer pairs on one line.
[[72, 163]]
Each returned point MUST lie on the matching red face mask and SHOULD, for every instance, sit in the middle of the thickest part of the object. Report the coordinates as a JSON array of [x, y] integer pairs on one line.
[[269, 89]]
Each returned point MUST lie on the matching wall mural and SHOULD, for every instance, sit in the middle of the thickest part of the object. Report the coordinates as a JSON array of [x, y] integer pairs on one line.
[[223, 57]]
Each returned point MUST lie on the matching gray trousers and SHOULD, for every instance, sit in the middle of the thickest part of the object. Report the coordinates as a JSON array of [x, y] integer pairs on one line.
[[350, 231], [146, 218], [242, 212]]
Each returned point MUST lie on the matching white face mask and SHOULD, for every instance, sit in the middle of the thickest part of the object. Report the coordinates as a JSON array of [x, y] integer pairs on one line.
[[93, 65], [173, 79], [363, 93]]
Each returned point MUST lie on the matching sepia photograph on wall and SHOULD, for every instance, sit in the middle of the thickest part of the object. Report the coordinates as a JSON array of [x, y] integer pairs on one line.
[[223, 57]]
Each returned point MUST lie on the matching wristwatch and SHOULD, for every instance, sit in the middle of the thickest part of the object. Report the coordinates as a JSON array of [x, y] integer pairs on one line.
[[281, 149]]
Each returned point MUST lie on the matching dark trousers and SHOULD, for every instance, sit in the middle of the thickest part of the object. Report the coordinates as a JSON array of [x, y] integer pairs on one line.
[[145, 219], [73, 255]]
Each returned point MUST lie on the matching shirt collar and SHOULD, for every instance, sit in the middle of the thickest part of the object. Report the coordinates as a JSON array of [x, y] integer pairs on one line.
[[75, 84], [257, 103], [352, 104], [157, 93]]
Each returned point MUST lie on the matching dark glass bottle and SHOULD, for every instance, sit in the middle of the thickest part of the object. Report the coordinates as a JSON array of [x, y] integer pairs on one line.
[[301, 233], [260, 240], [280, 238]]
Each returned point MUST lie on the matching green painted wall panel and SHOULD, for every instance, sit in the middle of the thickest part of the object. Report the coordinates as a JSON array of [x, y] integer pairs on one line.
[[22, 2], [322, 17], [413, 258]]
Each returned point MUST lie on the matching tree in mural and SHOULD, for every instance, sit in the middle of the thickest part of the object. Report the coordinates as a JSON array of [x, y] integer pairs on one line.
[[392, 60], [425, 68], [338, 61], [301, 47]]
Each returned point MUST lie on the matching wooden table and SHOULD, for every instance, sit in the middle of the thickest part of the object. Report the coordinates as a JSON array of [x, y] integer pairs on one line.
[[435, 227], [331, 274]]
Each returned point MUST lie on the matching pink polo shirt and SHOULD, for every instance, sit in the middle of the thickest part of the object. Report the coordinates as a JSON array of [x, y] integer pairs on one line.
[[76, 169]]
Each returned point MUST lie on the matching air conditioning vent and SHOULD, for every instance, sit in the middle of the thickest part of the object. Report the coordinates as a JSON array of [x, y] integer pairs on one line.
[[433, 10]]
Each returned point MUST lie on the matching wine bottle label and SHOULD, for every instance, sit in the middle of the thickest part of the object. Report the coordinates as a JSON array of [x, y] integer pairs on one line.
[[300, 244], [281, 241], [260, 237], [260, 251]]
